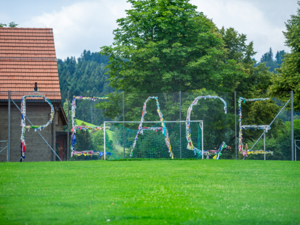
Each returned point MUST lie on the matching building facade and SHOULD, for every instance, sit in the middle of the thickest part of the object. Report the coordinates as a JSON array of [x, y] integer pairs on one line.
[[28, 66]]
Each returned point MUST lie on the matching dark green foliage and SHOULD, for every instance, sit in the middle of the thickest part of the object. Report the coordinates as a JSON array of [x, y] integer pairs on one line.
[[98, 141], [272, 63], [94, 56], [280, 56], [88, 141], [199, 59], [151, 144], [84, 141], [85, 77], [288, 77], [11, 24], [167, 46], [163, 47], [255, 85], [280, 142]]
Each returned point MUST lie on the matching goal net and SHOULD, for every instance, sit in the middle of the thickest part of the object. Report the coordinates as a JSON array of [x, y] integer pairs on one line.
[[154, 139]]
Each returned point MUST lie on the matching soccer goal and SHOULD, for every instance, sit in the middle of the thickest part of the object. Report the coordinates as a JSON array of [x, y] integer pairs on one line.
[[150, 139]]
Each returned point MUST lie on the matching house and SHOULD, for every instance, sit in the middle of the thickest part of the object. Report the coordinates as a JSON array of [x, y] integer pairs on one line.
[[28, 66]]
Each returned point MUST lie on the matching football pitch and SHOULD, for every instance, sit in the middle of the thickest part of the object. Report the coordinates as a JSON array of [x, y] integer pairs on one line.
[[150, 192]]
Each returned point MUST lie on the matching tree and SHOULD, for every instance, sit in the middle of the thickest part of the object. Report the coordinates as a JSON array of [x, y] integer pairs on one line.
[[167, 46], [279, 56], [11, 24], [267, 58], [164, 46], [253, 85], [84, 140], [288, 76], [85, 77]]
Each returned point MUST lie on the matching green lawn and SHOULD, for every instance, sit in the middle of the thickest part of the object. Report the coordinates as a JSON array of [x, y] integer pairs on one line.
[[80, 122], [150, 192]]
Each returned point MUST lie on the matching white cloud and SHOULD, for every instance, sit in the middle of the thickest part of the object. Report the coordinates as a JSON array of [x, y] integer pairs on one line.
[[246, 18], [84, 25], [89, 25]]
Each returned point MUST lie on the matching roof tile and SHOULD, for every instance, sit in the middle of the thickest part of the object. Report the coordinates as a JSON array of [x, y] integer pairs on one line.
[[27, 55]]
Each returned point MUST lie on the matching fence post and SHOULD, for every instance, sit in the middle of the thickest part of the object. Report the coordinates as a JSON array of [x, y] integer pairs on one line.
[[8, 130], [180, 124], [295, 150], [292, 124], [68, 136], [104, 150], [124, 123], [235, 130], [265, 145]]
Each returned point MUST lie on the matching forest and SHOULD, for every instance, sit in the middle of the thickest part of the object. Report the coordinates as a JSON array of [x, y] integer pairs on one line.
[[178, 61]]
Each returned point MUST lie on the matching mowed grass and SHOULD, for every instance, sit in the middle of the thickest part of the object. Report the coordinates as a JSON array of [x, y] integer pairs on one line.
[[150, 192]]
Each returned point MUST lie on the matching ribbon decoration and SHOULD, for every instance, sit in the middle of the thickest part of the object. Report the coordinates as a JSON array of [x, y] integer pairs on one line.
[[241, 127], [94, 98], [218, 153], [260, 152], [89, 153], [88, 128], [163, 127], [35, 127], [85, 128], [190, 145], [259, 127]]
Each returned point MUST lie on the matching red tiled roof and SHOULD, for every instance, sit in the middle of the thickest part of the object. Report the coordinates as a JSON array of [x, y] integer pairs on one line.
[[27, 55]]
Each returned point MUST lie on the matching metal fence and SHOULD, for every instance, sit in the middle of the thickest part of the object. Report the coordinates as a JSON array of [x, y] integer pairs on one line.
[[218, 126]]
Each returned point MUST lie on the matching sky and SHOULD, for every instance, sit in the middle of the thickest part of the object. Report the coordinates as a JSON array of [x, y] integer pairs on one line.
[[88, 24]]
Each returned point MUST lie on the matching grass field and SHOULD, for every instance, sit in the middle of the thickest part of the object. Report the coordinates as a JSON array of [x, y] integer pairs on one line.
[[150, 192], [80, 122]]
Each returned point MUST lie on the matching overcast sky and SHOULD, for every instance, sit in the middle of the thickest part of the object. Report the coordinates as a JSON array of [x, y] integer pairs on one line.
[[80, 25]]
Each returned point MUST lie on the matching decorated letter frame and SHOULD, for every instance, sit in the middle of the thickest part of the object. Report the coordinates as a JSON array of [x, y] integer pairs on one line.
[[35, 127], [190, 145], [255, 127], [85, 128], [90, 153], [163, 127]]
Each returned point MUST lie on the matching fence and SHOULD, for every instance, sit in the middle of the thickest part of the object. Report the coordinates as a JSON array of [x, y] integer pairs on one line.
[[55, 141], [155, 139]]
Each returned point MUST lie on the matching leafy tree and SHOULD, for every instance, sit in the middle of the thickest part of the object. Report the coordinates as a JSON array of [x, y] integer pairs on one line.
[[98, 141], [167, 46], [163, 47], [288, 76], [12, 24], [253, 85], [84, 140]]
